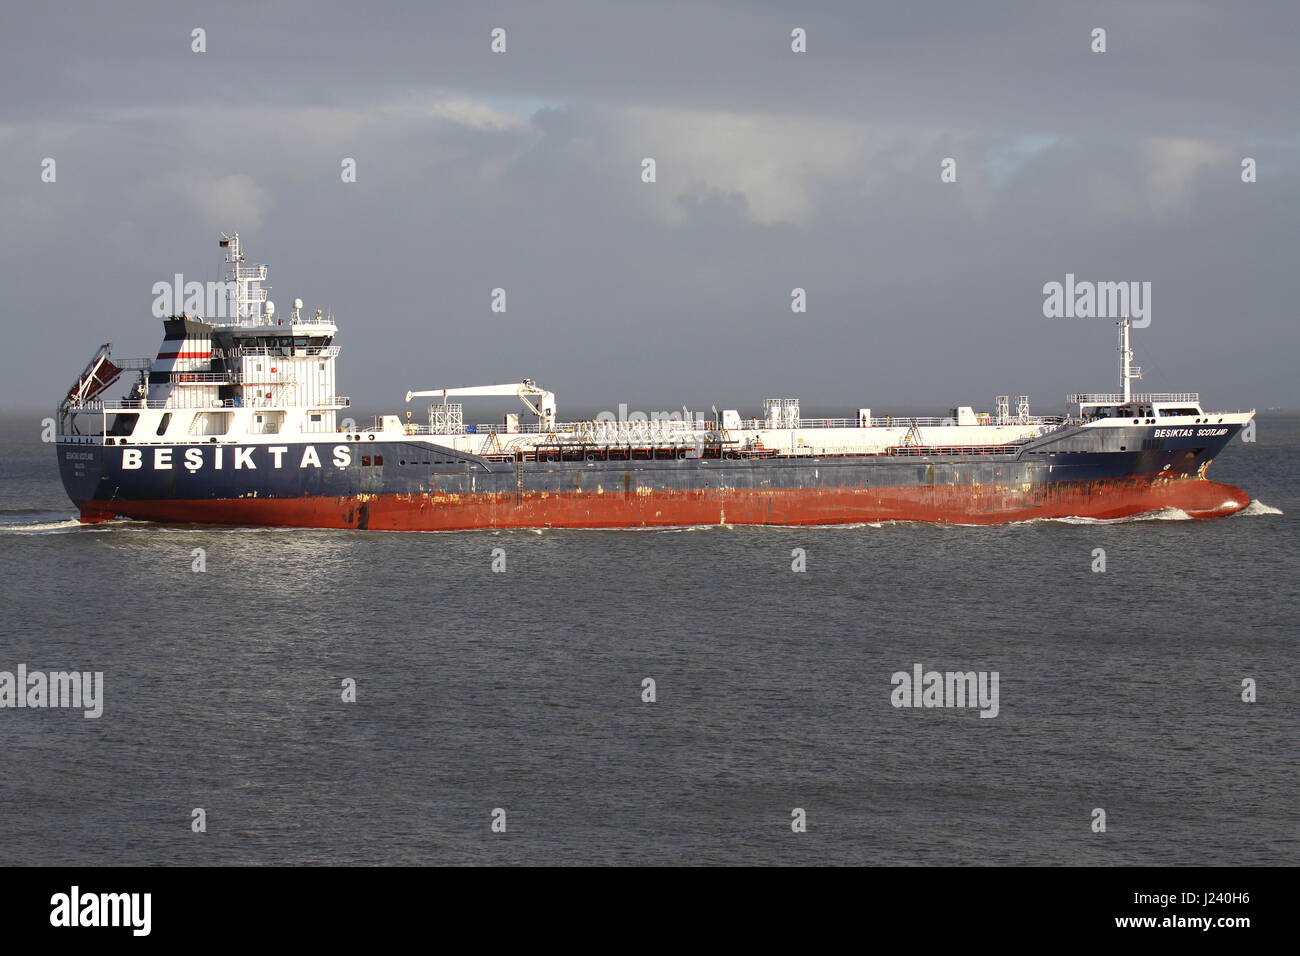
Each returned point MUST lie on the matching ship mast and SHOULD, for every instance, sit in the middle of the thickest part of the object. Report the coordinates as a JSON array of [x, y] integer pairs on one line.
[[248, 298], [1127, 370]]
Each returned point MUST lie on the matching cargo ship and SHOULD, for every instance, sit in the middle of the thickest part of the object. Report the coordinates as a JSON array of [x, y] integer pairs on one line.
[[238, 420]]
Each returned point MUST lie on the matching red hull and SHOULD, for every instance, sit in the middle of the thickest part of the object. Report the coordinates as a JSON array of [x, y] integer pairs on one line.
[[951, 504]]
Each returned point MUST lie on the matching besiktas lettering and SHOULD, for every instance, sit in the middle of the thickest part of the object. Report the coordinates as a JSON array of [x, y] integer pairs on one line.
[[165, 458]]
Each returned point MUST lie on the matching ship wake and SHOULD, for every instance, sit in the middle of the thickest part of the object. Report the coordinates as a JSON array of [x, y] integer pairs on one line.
[[1255, 508], [43, 523]]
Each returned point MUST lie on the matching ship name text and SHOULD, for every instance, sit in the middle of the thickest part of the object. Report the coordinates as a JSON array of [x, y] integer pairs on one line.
[[1190, 432], [239, 458]]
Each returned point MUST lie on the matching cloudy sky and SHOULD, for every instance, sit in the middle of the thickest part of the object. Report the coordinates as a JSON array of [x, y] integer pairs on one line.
[[775, 170]]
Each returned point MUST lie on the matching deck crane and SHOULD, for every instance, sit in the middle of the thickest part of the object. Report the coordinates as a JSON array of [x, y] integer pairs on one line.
[[544, 409]]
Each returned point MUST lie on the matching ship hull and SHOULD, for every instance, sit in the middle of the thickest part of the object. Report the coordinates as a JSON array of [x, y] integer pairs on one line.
[[398, 485], [992, 504]]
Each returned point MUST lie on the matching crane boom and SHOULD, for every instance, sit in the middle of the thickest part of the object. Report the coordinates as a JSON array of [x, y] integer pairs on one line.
[[544, 409]]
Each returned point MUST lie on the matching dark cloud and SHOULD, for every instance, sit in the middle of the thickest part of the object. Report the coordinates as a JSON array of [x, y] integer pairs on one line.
[[774, 171]]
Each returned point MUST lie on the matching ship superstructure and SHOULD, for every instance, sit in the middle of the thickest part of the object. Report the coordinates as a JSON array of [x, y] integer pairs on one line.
[[254, 373], [236, 420]]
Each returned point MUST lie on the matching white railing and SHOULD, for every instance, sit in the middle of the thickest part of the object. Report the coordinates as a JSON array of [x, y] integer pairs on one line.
[[600, 431], [571, 428], [877, 421], [887, 421], [264, 322], [204, 378], [824, 423], [135, 405], [281, 351], [121, 405], [1117, 398]]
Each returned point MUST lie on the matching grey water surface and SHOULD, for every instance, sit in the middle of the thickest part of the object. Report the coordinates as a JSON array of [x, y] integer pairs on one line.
[[522, 690]]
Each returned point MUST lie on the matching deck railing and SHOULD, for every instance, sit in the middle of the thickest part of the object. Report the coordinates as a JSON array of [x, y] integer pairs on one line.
[[135, 405], [670, 426], [204, 378], [281, 351], [1117, 398]]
